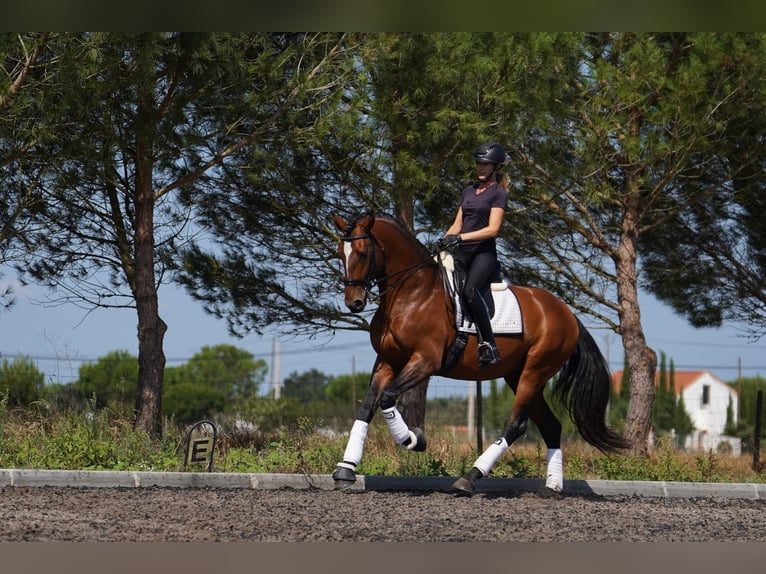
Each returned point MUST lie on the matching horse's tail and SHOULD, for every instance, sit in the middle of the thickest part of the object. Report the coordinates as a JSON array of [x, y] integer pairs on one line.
[[583, 386]]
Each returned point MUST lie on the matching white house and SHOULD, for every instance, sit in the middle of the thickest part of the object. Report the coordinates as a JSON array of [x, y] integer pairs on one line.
[[707, 399]]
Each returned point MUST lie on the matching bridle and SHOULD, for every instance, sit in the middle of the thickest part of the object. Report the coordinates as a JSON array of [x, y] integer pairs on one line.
[[370, 280]]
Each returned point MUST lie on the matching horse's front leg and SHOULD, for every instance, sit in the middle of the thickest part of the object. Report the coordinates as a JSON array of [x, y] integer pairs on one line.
[[345, 471], [384, 389], [411, 439], [415, 372]]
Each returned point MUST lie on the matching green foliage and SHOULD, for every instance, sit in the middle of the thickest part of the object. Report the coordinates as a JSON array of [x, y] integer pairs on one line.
[[305, 387], [216, 380], [339, 388], [268, 414], [21, 382], [499, 404], [112, 379], [95, 439], [188, 401], [518, 465], [668, 412], [647, 141], [748, 388], [625, 381], [666, 465], [452, 410], [39, 437], [723, 234], [730, 428], [232, 371]]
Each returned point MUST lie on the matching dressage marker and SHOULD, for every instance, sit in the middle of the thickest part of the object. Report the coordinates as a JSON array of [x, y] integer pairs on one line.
[[200, 444]]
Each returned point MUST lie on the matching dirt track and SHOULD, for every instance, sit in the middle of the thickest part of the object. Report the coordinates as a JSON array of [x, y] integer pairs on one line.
[[218, 515]]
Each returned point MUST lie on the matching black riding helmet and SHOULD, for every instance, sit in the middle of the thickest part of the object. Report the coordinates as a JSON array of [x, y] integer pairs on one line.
[[490, 152]]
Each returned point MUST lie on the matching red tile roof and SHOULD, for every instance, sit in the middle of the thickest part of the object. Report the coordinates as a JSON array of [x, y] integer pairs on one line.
[[682, 379]]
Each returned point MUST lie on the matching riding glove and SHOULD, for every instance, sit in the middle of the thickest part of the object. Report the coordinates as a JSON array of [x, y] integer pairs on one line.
[[448, 242]]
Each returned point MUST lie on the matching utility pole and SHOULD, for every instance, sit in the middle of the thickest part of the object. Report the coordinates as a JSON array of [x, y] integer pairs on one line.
[[471, 410], [276, 383], [739, 388], [353, 384], [479, 418]]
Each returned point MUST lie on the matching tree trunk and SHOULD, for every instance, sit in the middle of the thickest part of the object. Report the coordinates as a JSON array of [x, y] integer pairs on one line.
[[412, 405], [151, 328], [641, 360]]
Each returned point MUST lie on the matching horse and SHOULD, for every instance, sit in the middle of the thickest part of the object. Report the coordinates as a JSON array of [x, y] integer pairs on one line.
[[413, 331]]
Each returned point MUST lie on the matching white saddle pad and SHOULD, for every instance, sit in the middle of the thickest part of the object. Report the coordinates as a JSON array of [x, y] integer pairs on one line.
[[507, 317]]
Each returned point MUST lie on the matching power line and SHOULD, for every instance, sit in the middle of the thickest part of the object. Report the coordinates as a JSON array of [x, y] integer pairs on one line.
[[262, 355], [717, 345]]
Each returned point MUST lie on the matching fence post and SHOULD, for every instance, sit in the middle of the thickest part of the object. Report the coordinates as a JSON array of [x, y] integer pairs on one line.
[[479, 419], [757, 431]]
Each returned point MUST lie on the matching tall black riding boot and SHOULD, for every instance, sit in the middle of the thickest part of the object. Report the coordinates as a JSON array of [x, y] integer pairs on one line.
[[487, 350]]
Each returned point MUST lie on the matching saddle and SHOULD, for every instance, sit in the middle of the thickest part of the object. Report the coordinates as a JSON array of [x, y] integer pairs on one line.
[[505, 312]]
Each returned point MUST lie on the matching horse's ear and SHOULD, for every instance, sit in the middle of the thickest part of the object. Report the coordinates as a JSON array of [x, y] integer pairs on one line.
[[340, 223], [367, 221]]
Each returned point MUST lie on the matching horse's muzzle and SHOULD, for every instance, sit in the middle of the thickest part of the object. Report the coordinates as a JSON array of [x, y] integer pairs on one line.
[[356, 305], [355, 298]]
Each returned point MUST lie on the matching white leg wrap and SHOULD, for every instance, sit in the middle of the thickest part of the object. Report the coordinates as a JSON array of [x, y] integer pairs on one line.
[[489, 457], [555, 477], [355, 445], [396, 425]]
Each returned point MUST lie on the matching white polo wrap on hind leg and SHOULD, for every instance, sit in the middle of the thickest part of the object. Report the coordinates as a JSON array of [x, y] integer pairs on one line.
[[555, 476], [398, 428], [490, 456], [355, 445]]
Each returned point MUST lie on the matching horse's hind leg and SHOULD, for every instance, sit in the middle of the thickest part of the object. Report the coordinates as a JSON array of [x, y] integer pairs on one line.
[[515, 426], [550, 429], [527, 403]]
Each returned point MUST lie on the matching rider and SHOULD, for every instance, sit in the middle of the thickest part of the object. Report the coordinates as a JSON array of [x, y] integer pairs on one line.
[[472, 239]]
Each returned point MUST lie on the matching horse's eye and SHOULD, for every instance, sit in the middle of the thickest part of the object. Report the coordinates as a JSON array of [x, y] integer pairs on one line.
[[362, 255]]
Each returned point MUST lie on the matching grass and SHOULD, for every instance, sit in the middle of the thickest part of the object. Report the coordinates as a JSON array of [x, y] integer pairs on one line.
[[36, 438]]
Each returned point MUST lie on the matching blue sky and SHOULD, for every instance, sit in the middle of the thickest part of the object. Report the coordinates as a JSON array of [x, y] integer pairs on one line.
[[61, 338]]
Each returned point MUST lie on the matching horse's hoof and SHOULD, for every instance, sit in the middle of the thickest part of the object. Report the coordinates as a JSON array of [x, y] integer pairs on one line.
[[343, 484], [466, 484], [420, 444], [463, 486], [548, 492], [344, 478]]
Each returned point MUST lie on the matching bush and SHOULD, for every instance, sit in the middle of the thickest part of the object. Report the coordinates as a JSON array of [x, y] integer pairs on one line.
[[40, 437]]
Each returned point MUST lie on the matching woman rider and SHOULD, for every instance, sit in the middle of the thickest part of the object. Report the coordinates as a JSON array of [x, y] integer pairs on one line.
[[471, 238]]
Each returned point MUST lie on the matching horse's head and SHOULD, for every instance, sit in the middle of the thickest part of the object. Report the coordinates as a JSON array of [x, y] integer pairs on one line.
[[356, 249]]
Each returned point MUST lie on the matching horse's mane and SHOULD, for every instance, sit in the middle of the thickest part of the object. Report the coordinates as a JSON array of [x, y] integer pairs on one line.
[[391, 219]]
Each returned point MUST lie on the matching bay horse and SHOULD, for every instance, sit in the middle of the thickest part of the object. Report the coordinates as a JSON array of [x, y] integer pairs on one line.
[[414, 328]]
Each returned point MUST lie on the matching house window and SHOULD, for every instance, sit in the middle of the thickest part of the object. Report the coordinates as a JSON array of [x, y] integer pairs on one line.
[[705, 394]]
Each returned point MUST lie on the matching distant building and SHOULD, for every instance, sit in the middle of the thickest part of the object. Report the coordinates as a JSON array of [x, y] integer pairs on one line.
[[706, 399]]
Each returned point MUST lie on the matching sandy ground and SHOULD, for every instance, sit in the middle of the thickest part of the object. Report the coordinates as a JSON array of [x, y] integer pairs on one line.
[[288, 515]]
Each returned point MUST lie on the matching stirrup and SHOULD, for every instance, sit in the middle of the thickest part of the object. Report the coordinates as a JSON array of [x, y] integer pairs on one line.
[[488, 354]]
